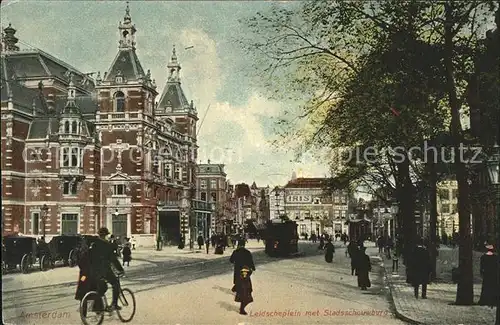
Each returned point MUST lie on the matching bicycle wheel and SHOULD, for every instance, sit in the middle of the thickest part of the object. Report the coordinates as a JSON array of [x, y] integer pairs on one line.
[[92, 309], [126, 300]]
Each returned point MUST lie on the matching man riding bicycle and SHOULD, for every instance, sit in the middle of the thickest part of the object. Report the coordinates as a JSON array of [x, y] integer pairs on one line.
[[102, 256]]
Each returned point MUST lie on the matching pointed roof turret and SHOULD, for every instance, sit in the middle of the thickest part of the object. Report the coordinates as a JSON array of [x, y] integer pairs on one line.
[[9, 41], [71, 108], [173, 95], [126, 66]]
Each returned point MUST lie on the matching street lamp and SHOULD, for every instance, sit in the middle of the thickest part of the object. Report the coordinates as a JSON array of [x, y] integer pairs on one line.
[[494, 170], [45, 211]]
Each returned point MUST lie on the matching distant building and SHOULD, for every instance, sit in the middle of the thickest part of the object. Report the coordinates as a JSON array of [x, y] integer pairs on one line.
[[314, 209], [447, 206], [212, 187], [276, 202]]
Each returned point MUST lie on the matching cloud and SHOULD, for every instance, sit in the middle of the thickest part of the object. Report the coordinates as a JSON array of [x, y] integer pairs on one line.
[[234, 134]]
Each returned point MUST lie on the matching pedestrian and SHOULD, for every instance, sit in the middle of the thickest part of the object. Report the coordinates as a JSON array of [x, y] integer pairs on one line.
[[395, 260], [321, 243], [354, 253], [489, 272], [207, 243], [200, 241], [389, 247], [419, 269], [380, 244], [243, 267], [133, 243], [127, 254], [363, 268], [329, 251]]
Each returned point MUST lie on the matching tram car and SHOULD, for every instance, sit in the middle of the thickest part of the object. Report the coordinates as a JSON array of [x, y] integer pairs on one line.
[[18, 251], [281, 238]]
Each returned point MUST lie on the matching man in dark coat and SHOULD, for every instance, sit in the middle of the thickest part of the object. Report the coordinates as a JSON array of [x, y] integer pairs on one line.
[[200, 241], [102, 257], [419, 270], [363, 268], [353, 251], [489, 272], [243, 267]]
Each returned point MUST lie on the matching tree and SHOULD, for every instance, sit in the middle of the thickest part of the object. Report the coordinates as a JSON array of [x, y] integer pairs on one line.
[[351, 63]]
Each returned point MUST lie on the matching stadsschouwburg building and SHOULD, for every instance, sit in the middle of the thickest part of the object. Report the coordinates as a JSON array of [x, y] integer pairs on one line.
[[82, 151]]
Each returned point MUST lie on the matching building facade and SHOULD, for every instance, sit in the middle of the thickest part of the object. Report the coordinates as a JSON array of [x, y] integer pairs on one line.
[[315, 210], [212, 187], [99, 152], [447, 206], [277, 206]]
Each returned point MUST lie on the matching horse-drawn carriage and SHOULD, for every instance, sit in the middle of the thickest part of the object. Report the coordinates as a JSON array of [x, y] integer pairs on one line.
[[64, 248], [19, 251]]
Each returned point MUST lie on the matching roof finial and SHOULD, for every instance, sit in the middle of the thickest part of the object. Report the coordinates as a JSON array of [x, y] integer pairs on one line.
[[174, 56], [71, 87], [127, 17]]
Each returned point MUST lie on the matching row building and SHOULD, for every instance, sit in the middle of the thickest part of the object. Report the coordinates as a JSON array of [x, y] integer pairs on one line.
[[79, 153]]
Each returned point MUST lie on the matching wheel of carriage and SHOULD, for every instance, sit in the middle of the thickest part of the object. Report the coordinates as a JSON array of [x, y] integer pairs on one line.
[[72, 258], [25, 263], [45, 263]]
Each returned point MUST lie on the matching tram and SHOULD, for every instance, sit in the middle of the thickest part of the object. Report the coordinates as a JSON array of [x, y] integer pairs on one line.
[[281, 238]]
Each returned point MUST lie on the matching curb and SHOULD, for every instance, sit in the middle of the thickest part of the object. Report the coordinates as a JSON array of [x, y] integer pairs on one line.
[[397, 313]]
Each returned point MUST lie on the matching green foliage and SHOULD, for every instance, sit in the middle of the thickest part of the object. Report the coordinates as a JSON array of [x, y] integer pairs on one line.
[[344, 65]]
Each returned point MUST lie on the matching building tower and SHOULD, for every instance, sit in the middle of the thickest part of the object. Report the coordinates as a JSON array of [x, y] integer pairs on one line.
[[176, 112], [127, 131]]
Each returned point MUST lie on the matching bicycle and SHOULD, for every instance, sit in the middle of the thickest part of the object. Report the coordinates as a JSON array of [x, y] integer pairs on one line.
[[97, 304]]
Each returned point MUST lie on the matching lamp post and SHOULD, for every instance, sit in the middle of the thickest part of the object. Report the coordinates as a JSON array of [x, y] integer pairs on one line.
[[494, 170], [45, 213], [158, 234], [3, 220]]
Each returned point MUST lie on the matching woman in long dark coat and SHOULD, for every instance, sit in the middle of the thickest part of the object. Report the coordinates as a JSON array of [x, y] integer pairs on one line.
[[353, 253], [329, 251], [85, 283], [127, 254], [243, 267], [489, 272], [363, 267]]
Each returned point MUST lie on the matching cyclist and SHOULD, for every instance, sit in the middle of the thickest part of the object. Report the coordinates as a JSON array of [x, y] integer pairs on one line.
[[102, 257]]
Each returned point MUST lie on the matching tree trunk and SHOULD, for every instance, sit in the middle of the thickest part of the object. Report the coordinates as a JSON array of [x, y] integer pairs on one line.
[[433, 215], [465, 289], [406, 198]]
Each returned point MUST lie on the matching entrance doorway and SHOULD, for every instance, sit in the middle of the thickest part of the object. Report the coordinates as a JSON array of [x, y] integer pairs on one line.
[[119, 226], [170, 227]]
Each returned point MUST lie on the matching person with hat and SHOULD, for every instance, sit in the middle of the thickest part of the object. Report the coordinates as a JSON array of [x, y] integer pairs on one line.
[[102, 257], [243, 268], [489, 272]]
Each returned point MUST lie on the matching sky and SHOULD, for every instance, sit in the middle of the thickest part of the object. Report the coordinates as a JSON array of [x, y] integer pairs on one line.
[[236, 120]]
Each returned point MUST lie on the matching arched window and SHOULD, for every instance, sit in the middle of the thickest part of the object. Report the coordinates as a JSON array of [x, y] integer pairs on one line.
[[66, 127], [120, 101], [74, 127]]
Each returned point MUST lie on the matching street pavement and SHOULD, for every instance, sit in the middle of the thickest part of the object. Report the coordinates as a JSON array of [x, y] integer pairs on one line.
[[296, 290], [142, 258], [438, 308]]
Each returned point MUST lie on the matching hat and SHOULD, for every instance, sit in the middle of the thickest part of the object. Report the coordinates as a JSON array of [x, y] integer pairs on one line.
[[489, 247], [103, 231]]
